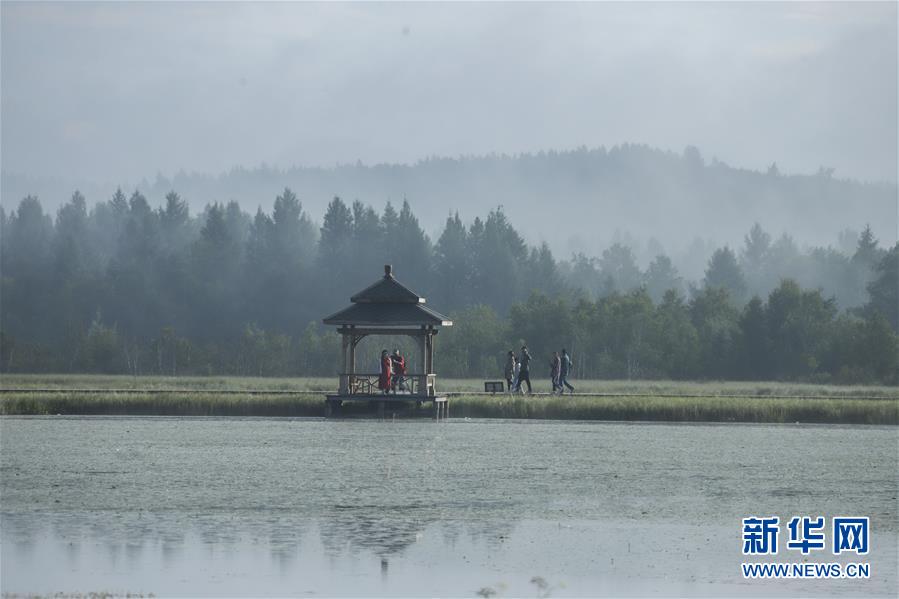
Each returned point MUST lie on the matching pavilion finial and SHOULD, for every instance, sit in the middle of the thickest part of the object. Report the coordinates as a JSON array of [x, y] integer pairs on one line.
[[388, 271]]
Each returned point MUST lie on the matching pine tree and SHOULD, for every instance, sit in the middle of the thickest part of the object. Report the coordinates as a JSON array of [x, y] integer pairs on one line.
[[411, 250], [452, 264], [867, 253], [723, 272], [660, 277], [883, 290], [618, 269]]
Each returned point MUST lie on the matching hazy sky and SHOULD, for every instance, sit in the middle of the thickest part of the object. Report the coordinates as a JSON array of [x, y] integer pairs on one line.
[[116, 92]]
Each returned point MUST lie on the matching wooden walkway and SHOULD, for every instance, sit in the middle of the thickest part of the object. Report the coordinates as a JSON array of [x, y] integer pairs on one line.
[[449, 394]]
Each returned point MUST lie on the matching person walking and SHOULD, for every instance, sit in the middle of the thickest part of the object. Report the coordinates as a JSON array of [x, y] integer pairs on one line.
[[515, 387], [509, 369], [524, 374], [555, 366], [386, 371], [564, 371]]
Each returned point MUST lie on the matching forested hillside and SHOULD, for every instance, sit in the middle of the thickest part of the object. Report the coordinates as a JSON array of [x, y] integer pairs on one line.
[[577, 201], [122, 286]]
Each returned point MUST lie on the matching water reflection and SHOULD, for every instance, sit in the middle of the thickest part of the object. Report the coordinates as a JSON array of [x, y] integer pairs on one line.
[[385, 532], [205, 509], [132, 546], [382, 535]]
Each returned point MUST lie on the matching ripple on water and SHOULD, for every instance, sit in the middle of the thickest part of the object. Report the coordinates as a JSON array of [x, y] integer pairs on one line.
[[280, 506]]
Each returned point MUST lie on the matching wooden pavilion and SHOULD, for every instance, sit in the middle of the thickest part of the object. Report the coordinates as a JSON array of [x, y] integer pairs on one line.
[[387, 307]]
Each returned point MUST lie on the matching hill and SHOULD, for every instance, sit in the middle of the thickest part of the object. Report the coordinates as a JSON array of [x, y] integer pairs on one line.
[[578, 201]]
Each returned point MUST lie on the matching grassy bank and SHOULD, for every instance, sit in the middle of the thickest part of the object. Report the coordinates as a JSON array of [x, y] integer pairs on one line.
[[160, 404], [193, 383], [681, 409], [445, 385], [647, 408]]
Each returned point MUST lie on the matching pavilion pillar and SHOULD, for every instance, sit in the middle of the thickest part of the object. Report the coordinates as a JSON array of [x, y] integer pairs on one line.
[[352, 371], [431, 379], [423, 347], [344, 388], [352, 364]]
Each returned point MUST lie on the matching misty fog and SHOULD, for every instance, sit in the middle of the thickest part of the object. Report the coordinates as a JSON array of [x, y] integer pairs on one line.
[[167, 167], [652, 125], [580, 202]]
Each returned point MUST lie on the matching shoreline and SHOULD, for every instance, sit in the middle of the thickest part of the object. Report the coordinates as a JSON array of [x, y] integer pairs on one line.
[[630, 408]]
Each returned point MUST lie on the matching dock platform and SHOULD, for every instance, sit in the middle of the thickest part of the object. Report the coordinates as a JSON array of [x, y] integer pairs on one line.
[[439, 403]]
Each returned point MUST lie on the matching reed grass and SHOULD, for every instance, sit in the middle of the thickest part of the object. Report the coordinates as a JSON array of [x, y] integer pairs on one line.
[[193, 383], [644, 408], [160, 404], [680, 409], [445, 385]]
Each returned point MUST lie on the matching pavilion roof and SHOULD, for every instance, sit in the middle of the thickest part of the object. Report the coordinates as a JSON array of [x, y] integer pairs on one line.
[[388, 302], [387, 290]]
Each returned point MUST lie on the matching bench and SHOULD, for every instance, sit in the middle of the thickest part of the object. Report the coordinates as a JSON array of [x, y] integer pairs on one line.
[[494, 386]]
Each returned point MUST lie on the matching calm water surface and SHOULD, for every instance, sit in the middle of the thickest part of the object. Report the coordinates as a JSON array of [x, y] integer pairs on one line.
[[230, 506]]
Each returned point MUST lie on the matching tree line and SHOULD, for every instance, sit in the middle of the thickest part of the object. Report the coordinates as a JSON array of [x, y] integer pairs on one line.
[[577, 198], [123, 287]]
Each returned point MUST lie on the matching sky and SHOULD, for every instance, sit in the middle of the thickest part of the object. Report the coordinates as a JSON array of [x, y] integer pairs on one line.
[[122, 91]]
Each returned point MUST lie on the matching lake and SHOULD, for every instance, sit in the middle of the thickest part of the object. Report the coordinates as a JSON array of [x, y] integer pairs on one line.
[[241, 506]]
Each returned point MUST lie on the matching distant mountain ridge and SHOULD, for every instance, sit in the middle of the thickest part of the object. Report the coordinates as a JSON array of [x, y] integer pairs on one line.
[[578, 201]]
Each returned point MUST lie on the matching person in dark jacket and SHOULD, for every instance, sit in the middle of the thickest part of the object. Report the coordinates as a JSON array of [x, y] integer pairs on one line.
[[509, 370], [399, 371], [555, 366], [564, 371], [525, 373]]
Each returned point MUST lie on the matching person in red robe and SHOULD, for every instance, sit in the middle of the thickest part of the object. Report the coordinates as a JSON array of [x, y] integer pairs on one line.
[[384, 379]]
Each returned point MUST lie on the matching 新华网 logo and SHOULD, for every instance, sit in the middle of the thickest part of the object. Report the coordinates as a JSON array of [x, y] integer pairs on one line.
[[806, 534]]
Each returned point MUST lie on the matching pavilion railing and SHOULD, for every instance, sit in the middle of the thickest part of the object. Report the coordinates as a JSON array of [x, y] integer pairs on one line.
[[366, 383]]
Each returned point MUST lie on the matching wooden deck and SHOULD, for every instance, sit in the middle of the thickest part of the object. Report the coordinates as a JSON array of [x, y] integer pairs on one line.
[[439, 403]]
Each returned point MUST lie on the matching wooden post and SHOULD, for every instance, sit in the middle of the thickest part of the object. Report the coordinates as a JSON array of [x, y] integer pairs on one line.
[[433, 335], [352, 382], [430, 348], [344, 382], [430, 353], [423, 346]]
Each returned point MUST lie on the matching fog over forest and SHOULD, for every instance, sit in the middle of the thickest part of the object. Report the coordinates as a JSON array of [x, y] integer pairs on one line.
[[667, 127], [122, 287], [681, 189], [580, 201]]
